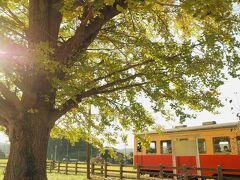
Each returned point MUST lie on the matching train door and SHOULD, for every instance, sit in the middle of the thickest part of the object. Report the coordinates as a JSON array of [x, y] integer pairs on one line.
[[138, 159], [185, 152]]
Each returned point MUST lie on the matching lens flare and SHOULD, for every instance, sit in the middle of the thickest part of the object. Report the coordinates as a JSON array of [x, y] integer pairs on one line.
[[2, 52]]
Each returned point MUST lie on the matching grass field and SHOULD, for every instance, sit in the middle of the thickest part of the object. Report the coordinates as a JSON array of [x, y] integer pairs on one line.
[[58, 176], [4, 161], [55, 176], [51, 176]]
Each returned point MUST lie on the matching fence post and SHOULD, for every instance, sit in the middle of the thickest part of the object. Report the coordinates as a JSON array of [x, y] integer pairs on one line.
[[121, 171], [219, 171], [161, 171], [92, 168], [185, 172], [66, 169], [59, 166], [105, 169], [54, 164], [50, 167], [76, 167], [101, 169], [138, 171]]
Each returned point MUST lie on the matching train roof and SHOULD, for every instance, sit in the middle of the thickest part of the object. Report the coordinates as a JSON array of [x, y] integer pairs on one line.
[[198, 128]]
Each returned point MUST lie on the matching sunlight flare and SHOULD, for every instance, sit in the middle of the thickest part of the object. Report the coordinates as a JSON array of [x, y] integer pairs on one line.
[[2, 52]]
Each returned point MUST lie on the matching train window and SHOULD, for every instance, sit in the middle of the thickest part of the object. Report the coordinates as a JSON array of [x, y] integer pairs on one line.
[[139, 147], [221, 144], [152, 148], [238, 144], [166, 147], [202, 146]]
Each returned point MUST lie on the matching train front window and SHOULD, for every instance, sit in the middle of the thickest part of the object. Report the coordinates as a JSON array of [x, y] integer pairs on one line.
[[202, 146], [152, 148], [221, 144], [139, 147], [166, 147]]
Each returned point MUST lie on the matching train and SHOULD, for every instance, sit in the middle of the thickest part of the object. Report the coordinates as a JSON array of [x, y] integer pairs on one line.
[[204, 146]]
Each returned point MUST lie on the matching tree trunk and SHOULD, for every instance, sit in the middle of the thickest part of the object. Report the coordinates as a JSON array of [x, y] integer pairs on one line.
[[28, 151]]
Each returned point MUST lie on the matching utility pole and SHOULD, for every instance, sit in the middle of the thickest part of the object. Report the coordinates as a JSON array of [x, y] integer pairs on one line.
[[88, 144], [67, 149], [125, 154], [88, 160], [55, 153]]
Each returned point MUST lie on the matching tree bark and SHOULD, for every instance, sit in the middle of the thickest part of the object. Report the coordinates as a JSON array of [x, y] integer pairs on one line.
[[28, 151]]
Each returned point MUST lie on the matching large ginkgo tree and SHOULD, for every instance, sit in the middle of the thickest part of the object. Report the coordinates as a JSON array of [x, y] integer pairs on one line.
[[58, 57]]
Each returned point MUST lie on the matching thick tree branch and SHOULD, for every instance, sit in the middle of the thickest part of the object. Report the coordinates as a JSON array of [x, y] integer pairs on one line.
[[44, 20], [6, 111], [3, 122], [85, 34], [10, 96], [55, 19], [94, 91], [38, 21]]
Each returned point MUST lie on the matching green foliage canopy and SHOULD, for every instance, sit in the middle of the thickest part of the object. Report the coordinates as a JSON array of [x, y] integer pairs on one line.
[[108, 53]]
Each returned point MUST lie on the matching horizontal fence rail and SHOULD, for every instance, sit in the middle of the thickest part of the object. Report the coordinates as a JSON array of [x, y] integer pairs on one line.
[[123, 171]]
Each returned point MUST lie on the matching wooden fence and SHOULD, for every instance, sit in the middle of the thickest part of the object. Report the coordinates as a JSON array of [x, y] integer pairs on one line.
[[105, 170], [123, 171]]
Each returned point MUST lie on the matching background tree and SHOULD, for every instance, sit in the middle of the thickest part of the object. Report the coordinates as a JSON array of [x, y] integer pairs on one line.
[[76, 151], [59, 56]]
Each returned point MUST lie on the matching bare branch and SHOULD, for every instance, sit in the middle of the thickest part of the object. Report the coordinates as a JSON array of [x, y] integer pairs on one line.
[[78, 3], [121, 88], [133, 24], [11, 26], [169, 4], [15, 18], [124, 69], [100, 49], [16, 33], [115, 103], [119, 81]]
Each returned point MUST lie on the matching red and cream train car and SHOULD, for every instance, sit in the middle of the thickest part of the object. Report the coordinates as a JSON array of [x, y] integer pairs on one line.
[[205, 146]]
